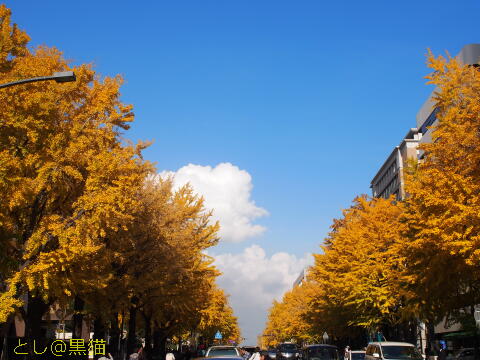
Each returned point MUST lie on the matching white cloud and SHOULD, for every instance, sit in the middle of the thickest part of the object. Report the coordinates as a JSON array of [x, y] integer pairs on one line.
[[227, 191], [254, 280]]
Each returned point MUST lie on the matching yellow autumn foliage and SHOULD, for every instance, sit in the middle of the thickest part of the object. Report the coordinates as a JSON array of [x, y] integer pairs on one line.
[[441, 249], [218, 316], [82, 215], [288, 320], [353, 284], [356, 270]]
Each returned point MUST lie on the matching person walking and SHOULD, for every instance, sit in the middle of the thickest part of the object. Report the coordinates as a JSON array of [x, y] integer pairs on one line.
[[133, 356], [264, 355], [141, 353], [169, 355], [138, 354], [256, 354], [346, 354], [442, 354]]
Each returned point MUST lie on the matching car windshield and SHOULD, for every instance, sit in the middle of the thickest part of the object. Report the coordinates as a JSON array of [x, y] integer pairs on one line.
[[400, 352], [358, 356], [222, 352], [288, 347], [322, 353]]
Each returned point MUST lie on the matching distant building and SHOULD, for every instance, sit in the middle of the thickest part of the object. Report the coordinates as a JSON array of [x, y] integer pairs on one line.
[[302, 278], [426, 116], [389, 178]]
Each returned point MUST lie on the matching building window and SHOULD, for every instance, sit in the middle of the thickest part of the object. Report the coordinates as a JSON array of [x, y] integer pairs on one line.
[[430, 120], [384, 185]]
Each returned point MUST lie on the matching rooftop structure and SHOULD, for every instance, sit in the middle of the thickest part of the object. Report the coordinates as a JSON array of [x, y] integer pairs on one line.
[[389, 179]]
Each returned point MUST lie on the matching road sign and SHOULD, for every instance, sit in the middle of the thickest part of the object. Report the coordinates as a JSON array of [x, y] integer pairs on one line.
[[218, 336]]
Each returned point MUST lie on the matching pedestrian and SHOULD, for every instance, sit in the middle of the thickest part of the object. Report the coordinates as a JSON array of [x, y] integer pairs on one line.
[[264, 355], [134, 355], [188, 353], [442, 354], [346, 354], [256, 354], [141, 354], [169, 355]]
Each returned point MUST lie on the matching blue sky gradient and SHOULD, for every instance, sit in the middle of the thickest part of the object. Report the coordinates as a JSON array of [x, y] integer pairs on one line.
[[309, 96]]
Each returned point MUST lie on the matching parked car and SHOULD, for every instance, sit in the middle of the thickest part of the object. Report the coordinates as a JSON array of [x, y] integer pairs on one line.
[[465, 354], [287, 351], [320, 352], [390, 350], [223, 352], [272, 353], [356, 355]]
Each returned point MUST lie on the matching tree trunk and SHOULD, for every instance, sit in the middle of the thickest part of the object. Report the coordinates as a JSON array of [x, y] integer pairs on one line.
[[4, 332], [7, 332], [35, 309], [476, 344], [430, 326], [159, 343], [114, 336], [78, 306], [148, 337], [99, 333], [132, 327]]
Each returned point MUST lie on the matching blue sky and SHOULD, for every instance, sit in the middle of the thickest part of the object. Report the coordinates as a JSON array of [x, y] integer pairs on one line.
[[308, 97]]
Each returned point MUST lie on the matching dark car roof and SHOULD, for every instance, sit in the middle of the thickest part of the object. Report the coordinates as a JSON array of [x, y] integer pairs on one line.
[[320, 345], [225, 358], [288, 347]]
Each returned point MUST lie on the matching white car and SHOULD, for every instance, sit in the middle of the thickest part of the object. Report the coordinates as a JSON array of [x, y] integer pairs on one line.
[[222, 351], [356, 355], [391, 350]]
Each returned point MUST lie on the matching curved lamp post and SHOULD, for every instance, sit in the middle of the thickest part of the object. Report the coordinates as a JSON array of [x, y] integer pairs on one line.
[[59, 77]]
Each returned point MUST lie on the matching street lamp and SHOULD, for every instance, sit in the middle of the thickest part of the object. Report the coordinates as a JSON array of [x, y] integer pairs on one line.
[[59, 77]]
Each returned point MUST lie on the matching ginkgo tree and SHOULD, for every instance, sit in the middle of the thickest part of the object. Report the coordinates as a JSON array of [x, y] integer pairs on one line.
[[356, 266], [84, 222], [357, 277], [173, 279], [288, 319], [388, 264], [67, 178], [218, 316], [441, 247]]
